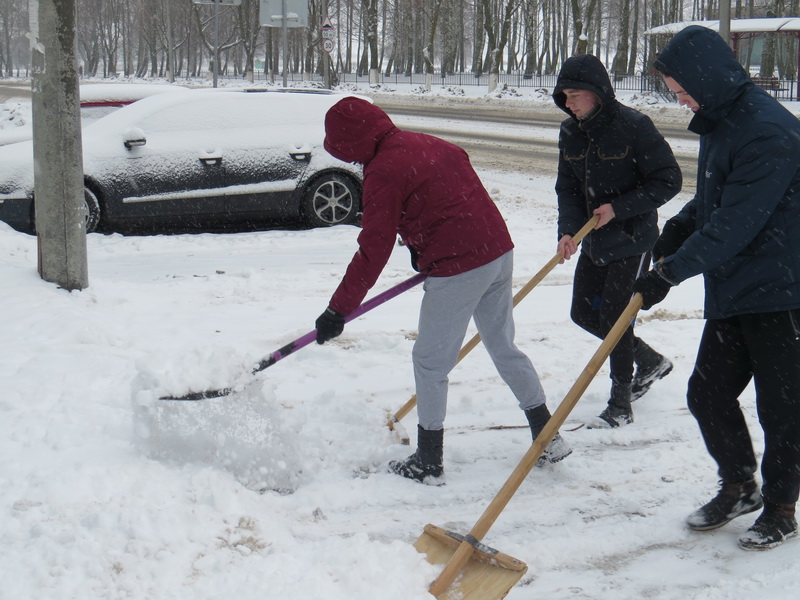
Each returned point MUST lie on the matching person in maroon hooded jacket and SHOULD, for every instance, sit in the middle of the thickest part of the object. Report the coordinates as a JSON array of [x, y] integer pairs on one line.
[[425, 190]]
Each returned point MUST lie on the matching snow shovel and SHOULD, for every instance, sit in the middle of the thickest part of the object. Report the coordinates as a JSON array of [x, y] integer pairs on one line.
[[394, 420], [306, 339], [476, 582]]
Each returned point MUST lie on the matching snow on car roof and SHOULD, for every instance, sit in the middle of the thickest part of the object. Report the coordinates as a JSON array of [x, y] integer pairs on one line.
[[92, 93], [294, 117]]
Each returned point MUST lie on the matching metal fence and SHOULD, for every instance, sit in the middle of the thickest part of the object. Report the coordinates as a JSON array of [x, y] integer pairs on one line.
[[782, 89]]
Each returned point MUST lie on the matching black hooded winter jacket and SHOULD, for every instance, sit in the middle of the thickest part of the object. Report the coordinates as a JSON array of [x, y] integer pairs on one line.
[[745, 214], [615, 156]]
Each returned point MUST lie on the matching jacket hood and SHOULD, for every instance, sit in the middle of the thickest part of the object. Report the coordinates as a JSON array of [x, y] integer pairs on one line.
[[583, 72], [353, 129], [705, 66]]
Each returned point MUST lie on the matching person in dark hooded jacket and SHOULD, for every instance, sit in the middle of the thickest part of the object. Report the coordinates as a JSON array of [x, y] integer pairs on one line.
[[741, 230], [614, 163], [425, 190]]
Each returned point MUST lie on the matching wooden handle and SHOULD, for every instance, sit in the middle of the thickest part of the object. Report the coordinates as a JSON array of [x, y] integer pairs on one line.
[[479, 530]]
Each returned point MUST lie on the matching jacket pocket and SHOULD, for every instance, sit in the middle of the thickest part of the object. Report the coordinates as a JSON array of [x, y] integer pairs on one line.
[[574, 155], [613, 152]]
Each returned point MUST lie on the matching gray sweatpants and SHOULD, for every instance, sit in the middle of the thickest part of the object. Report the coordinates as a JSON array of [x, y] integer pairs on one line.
[[447, 306]]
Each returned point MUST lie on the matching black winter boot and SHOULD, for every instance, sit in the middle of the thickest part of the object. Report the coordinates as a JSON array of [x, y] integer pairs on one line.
[[425, 465], [733, 499], [650, 367], [557, 449], [618, 412], [773, 527]]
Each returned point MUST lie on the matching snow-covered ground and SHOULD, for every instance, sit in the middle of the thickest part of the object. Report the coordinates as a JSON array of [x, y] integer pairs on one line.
[[278, 491]]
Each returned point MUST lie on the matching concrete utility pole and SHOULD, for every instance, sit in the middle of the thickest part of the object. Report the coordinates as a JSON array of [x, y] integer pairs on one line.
[[57, 154], [725, 20]]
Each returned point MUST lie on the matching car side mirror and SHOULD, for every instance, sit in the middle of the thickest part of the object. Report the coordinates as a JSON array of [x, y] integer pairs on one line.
[[134, 137]]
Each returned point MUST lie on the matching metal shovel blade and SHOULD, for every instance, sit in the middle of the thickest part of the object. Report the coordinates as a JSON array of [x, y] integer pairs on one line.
[[489, 574]]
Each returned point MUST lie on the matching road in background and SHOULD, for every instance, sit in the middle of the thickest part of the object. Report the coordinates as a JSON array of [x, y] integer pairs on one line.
[[9, 92], [504, 137]]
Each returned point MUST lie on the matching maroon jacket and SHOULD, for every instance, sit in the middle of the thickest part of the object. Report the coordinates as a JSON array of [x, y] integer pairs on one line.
[[417, 186]]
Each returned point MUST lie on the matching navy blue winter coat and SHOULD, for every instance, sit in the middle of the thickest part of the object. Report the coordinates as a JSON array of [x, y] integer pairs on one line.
[[746, 211], [615, 156]]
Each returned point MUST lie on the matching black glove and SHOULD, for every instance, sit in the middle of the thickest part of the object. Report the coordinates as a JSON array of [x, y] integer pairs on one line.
[[653, 286], [672, 237], [330, 324]]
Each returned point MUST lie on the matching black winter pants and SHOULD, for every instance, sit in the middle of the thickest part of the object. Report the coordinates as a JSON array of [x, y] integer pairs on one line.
[[599, 295], [765, 348]]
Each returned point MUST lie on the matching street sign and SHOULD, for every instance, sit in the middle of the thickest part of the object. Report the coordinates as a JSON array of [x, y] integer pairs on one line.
[[220, 2], [271, 13], [328, 35]]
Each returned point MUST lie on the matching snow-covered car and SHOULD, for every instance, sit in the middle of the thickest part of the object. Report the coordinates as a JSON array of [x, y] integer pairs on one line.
[[208, 160], [97, 101]]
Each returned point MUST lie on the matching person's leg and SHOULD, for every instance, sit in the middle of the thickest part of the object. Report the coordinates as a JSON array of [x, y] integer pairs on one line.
[[722, 371], [617, 286], [650, 365], [587, 295], [495, 322], [775, 350], [447, 306], [617, 293]]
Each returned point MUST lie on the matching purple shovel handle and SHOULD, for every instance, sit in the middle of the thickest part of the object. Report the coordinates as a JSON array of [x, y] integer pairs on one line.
[[367, 306], [309, 337]]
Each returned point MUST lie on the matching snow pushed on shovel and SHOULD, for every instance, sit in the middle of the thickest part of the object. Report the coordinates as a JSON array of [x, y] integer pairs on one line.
[[473, 571]]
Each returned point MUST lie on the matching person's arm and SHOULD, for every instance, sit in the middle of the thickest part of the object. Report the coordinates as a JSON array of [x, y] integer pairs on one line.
[[382, 210], [763, 169], [383, 206]]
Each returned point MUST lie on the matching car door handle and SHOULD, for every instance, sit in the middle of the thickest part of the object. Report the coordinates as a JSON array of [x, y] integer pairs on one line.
[[304, 156], [211, 160]]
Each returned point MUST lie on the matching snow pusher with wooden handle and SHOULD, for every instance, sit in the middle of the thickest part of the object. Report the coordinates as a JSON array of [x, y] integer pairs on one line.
[[470, 571]]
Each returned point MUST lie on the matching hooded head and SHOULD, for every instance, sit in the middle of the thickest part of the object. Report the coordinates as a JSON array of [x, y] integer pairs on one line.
[[353, 129], [583, 72], [704, 66]]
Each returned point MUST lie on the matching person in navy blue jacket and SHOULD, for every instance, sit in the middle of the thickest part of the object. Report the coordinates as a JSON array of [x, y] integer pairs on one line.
[[741, 230]]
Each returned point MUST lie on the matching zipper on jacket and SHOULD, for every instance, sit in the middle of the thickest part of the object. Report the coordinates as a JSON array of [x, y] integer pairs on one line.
[[795, 326], [586, 242]]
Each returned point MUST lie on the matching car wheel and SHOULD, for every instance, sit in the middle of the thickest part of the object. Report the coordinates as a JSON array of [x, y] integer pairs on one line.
[[92, 210], [330, 200]]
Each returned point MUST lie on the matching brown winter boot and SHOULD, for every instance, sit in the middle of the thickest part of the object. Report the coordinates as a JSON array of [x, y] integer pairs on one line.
[[733, 499], [775, 525]]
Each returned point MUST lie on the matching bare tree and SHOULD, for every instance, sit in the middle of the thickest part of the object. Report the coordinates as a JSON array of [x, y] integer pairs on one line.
[[13, 14], [249, 28], [582, 19], [496, 26]]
